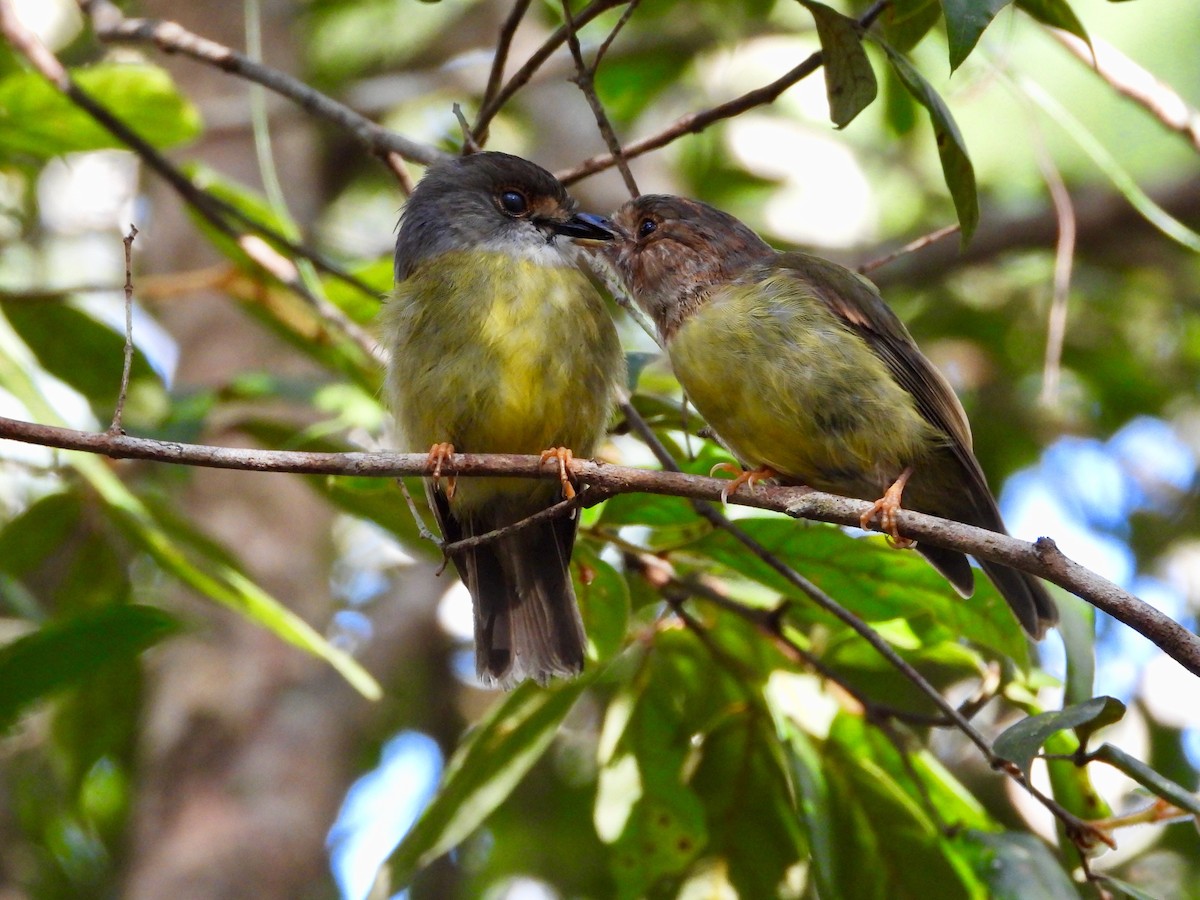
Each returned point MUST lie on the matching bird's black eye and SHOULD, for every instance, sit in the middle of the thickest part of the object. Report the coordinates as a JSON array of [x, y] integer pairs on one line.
[[647, 227], [514, 203]]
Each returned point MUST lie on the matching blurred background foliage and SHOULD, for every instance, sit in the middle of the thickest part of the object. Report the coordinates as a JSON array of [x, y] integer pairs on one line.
[[159, 744]]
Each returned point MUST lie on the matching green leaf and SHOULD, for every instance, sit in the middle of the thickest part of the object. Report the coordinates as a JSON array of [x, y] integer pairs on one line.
[[871, 579], [952, 149], [1077, 621], [849, 79], [1017, 866], [663, 833], [485, 770], [603, 600], [78, 350], [759, 841], [965, 22], [875, 819], [36, 120], [62, 654], [1021, 742], [38, 532], [900, 111], [905, 22], [815, 806], [1148, 778], [1056, 13]]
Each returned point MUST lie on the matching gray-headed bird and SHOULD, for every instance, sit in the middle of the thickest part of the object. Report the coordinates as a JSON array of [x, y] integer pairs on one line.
[[500, 344]]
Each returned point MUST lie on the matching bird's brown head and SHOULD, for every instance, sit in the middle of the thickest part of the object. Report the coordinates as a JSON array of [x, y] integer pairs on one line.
[[670, 252]]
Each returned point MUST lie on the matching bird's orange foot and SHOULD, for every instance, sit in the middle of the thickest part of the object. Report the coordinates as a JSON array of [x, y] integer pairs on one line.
[[742, 476], [564, 458], [886, 508], [439, 455]]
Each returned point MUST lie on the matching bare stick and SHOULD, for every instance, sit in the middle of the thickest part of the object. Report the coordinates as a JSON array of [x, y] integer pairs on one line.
[[1042, 558], [111, 24], [127, 366], [694, 123], [503, 45], [585, 78], [1064, 256], [1130, 80], [538, 58], [920, 243]]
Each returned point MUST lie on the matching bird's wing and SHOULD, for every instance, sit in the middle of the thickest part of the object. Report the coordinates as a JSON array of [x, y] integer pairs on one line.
[[857, 302]]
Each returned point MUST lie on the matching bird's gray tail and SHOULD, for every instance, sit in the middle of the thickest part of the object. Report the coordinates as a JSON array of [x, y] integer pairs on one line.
[[527, 623]]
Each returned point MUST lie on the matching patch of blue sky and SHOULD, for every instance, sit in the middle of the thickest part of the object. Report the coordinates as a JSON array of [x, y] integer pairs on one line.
[[379, 810]]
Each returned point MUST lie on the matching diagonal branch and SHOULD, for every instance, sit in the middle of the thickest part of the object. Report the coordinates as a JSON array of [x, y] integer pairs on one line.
[[694, 123], [111, 24], [214, 210], [536, 60], [1130, 80], [585, 78], [503, 45]]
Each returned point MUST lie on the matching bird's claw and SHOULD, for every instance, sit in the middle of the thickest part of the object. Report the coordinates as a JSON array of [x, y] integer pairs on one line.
[[886, 508], [439, 454], [742, 476], [564, 457]]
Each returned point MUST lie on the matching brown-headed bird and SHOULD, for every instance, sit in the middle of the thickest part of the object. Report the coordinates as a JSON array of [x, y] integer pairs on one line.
[[499, 343], [807, 376]]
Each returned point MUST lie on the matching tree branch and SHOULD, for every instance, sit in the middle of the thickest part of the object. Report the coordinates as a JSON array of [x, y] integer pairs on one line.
[[1130, 80], [110, 24], [521, 77], [694, 123], [213, 209], [1041, 558]]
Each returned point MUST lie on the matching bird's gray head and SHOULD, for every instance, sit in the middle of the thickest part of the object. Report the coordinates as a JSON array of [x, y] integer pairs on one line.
[[670, 252], [496, 202]]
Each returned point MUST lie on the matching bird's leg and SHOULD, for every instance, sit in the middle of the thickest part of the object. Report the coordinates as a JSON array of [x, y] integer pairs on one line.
[[742, 476], [563, 456], [439, 454], [886, 508]]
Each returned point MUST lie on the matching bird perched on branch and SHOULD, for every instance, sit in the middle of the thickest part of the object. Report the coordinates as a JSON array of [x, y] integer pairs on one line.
[[499, 343], [803, 371]]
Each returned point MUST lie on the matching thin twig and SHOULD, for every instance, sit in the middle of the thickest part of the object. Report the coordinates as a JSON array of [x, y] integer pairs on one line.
[[127, 364], [537, 59], [694, 123], [1064, 256], [612, 35], [110, 24], [1130, 80], [470, 145], [503, 45], [913, 246], [213, 209], [585, 78], [422, 530], [586, 497]]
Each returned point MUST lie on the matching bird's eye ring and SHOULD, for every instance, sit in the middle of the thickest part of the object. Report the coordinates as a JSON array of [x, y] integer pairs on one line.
[[514, 203], [646, 227]]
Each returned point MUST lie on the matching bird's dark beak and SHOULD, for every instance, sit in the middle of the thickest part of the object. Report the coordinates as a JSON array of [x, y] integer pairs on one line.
[[586, 227]]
